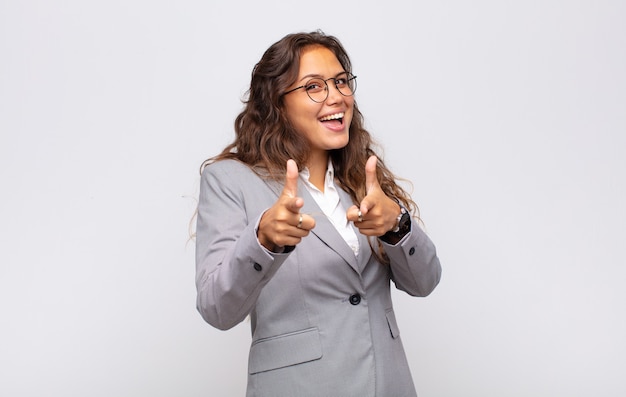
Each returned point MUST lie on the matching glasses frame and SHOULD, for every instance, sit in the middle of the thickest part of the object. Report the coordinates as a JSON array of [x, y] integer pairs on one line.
[[350, 77]]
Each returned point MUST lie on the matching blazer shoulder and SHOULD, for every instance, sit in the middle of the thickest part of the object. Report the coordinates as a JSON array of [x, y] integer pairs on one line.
[[239, 176], [229, 169], [227, 165]]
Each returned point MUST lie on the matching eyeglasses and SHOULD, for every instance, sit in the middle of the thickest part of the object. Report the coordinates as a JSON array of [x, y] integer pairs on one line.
[[317, 89]]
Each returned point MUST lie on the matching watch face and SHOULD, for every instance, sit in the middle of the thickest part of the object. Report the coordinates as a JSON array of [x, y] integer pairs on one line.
[[405, 223], [403, 227]]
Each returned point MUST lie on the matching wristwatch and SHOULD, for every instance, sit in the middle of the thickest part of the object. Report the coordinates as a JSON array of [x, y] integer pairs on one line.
[[403, 226]]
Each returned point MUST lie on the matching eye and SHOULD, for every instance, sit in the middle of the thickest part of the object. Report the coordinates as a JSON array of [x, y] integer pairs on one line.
[[315, 85], [341, 81]]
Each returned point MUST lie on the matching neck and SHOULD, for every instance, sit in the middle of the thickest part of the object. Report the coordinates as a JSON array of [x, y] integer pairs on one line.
[[317, 165]]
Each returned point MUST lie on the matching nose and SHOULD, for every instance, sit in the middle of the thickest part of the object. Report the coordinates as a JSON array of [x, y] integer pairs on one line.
[[334, 96]]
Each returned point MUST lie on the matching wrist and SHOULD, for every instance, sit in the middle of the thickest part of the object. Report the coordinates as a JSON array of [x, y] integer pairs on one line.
[[400, 229]]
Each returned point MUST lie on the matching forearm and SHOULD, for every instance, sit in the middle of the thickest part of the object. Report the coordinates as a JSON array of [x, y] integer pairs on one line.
[[230, 278], [414, 263]]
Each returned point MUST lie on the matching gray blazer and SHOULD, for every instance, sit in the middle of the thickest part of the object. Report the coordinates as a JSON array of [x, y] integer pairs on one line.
[[321, 317]]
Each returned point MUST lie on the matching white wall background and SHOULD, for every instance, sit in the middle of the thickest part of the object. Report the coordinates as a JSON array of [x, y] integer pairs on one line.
[[508, 116]]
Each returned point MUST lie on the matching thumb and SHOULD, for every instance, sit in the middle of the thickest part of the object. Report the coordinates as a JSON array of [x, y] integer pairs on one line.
[[291, 179], [371, 178]]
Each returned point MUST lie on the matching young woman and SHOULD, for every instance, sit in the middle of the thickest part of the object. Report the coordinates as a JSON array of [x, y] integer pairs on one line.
[[301, 227]]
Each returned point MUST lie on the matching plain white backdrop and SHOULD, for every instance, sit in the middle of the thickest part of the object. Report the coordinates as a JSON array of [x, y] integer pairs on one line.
[[509, 118]]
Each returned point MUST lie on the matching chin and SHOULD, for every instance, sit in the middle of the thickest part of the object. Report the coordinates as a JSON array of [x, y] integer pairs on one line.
[[340, 145]]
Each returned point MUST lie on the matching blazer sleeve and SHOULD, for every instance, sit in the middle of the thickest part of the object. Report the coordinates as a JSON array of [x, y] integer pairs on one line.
[[415, 267], [231, 265]]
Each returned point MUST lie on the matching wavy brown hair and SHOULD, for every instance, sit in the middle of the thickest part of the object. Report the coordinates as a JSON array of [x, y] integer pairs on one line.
[[265, 139]]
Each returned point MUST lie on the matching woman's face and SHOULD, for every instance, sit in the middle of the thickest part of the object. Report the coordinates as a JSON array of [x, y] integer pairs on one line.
[[325, 125]]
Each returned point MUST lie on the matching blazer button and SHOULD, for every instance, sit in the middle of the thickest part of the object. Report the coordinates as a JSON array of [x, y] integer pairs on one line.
[[258, 267], [355, 299], [412, 251]]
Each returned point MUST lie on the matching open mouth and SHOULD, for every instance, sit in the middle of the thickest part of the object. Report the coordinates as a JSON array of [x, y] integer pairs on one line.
[[335, 120]]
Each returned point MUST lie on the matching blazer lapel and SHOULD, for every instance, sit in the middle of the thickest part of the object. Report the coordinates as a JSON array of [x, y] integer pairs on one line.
[[364, 248], [325, 230]]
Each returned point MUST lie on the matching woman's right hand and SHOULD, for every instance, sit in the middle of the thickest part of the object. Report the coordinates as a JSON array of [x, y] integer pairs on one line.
[[283, 225]]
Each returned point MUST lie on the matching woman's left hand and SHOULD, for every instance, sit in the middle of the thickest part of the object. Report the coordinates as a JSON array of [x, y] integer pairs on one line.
[[378, 212]]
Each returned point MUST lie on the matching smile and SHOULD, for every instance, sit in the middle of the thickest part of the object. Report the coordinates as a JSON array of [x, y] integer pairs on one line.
[[336, 116]]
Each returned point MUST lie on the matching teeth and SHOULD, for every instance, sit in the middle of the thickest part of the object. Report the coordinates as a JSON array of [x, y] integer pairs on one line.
[[332, 117]]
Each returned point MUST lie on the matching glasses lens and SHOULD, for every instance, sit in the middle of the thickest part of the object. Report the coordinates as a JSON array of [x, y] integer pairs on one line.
[[317, 90], [346, 84]]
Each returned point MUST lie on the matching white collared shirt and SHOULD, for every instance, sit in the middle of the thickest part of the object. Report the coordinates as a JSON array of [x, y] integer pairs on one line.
[[328, 201]]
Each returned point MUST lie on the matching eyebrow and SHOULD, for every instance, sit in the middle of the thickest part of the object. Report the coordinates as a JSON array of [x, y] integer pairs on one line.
[[319, 76]]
